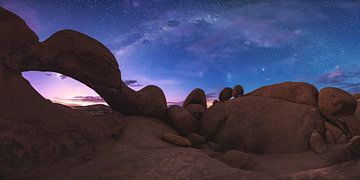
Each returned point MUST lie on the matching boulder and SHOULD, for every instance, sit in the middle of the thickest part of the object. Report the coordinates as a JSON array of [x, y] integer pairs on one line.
[[334, 102], [196, 140], [215, 102], [176, 140], [298, 92], [237, 159], [225, 94], [237, 91], [317, 143], [182, 120], [212, 119], [197, 96], [262, 125], [196, 110], [155, 102]]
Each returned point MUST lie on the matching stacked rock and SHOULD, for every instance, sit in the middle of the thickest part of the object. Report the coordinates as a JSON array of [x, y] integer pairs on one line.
[[237, 91], [185, 119], [339, 107]]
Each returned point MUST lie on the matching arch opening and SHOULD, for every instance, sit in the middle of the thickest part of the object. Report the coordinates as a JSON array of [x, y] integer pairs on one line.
[[62, 89]]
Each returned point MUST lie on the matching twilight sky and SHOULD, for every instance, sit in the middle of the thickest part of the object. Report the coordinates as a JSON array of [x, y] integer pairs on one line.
[[183, 44]]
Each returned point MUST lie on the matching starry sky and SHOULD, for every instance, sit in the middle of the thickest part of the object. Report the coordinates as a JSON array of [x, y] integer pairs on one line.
[[183, 44]]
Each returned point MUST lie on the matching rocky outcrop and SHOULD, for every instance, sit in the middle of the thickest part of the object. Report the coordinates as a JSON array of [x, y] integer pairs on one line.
[[334, 103], [298, 92], [213, 119], [34, 130], [75, 55], [237, 91], [182, 120], [196, 96], [196, 110], [262, 125], [339, 107], [155, 102], [225, 94]]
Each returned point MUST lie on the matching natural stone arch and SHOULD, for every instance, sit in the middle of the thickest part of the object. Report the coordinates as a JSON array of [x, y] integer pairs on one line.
[[78, 56]]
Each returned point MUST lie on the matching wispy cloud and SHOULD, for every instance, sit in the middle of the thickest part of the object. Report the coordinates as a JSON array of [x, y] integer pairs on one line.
[[341, 78], [80, 100], [132, 83]]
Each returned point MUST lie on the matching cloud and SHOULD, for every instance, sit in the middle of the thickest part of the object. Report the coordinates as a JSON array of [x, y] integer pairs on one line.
[[180, 103], [90, 99], [347, 80], [132, 83], [223, 34], [29, 15], [212, 95], [337, 76]]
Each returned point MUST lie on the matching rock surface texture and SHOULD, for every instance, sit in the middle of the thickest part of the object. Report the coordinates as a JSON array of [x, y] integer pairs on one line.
[[298, 92]]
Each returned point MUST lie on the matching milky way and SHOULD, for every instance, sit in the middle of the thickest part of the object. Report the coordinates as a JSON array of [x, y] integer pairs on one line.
[[181, 45]]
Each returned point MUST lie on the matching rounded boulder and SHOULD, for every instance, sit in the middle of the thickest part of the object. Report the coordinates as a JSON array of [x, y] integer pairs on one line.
[[237, 91], [197, 96], [334, 102], [182, 120], [155, 102], [225, 94]]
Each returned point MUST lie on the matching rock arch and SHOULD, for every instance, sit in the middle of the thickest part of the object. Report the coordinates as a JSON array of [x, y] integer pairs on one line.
[[75, 55]]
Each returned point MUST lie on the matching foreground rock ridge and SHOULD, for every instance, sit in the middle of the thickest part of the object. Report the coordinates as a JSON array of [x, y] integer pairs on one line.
[[288, 130]]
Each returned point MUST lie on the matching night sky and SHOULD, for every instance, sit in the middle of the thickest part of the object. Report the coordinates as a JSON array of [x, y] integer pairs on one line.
[[183, 44]]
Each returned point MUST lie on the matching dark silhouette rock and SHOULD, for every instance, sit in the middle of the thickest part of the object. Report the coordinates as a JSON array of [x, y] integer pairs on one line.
[[34, 130], [182, 120], [196, 140], [196, 96], [237, 91], [237, 159], [334, 102], [262, 125], [215, 102], [298, 92], [176, 140], [75, 55], [317, 143], [83, 58], [196, 110], [225, 94], [155, 102]]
